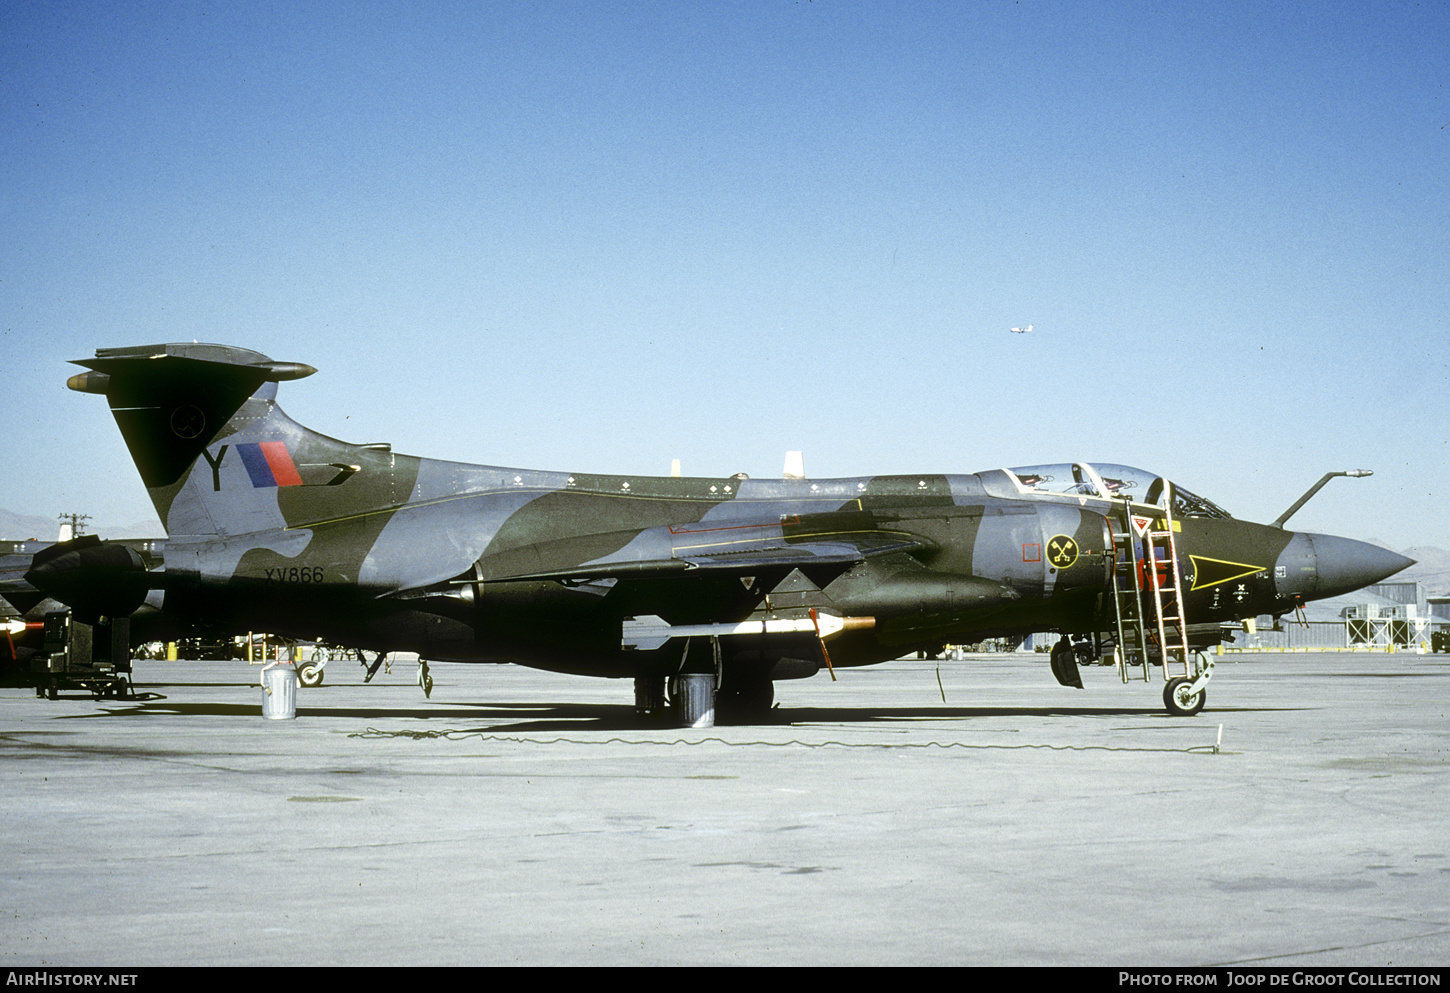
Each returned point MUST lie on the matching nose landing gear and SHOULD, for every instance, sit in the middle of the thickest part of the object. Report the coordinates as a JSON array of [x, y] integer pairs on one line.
[[1185, 697]]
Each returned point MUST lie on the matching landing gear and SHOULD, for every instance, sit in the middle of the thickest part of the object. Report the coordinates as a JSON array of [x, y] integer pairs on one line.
[[369, 671], [310, 674], [650, 701], [692, 690], [704, 687], [1064, 663], [707, 682], [744, 699], [694, 701], [1181, 699]]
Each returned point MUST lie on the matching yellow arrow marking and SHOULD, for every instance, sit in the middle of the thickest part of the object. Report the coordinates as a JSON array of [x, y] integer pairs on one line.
[[1213, 572]]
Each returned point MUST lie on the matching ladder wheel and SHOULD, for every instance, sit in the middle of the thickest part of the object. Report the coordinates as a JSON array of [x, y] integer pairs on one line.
[[1179, 701]]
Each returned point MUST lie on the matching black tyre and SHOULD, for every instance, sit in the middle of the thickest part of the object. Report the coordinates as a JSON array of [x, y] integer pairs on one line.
[[310, 674], [1179, 701], [746, 702]]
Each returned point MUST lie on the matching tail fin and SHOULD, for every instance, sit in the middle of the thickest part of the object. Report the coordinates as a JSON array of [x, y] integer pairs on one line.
[[212, 446]]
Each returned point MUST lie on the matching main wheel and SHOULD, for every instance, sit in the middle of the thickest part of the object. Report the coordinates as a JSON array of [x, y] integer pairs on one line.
[[746, 701], [310, 674], [1179, 701]]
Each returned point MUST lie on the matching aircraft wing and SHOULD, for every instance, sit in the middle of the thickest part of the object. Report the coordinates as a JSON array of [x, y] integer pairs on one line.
[[14, 587], [695, 548]]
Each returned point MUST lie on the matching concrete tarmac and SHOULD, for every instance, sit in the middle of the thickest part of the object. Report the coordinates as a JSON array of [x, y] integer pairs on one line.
[[519, 817]]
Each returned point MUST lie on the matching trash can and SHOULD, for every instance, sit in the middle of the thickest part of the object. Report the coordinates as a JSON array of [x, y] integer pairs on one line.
[[694, 699], [279, 687]]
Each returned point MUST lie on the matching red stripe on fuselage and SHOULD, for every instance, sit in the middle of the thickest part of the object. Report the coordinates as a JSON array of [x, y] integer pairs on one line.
[[279, 460]]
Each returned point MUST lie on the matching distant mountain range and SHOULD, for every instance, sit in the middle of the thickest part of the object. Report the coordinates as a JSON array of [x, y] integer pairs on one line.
[[1432, 564], [1432, 567]]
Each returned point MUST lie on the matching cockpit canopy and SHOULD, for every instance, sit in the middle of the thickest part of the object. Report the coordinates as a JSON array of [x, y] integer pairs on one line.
[[1113, 482]]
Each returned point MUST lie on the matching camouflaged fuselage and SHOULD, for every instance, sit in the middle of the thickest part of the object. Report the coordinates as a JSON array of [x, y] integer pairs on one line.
[[275, 527]]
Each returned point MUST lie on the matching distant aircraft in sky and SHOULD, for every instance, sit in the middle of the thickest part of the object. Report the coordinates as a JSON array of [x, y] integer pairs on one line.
[[1022, 330]]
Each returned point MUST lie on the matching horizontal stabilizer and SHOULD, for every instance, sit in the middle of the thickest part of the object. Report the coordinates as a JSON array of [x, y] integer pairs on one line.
[[170, 401]]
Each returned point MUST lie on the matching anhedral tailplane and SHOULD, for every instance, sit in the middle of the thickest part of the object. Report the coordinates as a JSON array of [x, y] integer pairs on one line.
[[212, 446]]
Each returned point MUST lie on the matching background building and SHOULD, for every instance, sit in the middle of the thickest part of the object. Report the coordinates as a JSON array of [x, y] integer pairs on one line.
[[1391, 613]]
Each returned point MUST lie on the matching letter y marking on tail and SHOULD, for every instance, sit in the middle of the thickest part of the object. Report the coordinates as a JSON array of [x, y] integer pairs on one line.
[[216, 465]]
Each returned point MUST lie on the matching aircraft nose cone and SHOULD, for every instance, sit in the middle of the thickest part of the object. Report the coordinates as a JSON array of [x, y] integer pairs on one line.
[[1339, 565]]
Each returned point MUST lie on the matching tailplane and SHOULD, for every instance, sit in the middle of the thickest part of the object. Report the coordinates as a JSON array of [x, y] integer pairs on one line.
[[215, 451]]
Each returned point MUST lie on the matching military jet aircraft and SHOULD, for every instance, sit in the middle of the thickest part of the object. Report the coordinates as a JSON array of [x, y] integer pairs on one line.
[[721, 585]]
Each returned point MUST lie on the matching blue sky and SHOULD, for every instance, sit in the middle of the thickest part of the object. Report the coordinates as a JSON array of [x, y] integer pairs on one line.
[[599, 236]]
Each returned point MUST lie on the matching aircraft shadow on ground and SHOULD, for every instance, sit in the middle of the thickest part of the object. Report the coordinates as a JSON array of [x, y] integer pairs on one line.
[[548, 716], [551, 717]]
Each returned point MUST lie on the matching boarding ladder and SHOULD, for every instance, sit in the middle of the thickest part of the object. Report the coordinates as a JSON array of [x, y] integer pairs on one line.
[[1146, 592]]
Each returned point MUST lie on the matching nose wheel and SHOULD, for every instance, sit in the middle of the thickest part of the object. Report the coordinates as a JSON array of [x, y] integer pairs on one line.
[[1181, 699]]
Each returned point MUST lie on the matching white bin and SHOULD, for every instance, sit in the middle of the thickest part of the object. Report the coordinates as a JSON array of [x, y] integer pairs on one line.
[[279, 688], [694, 699]]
